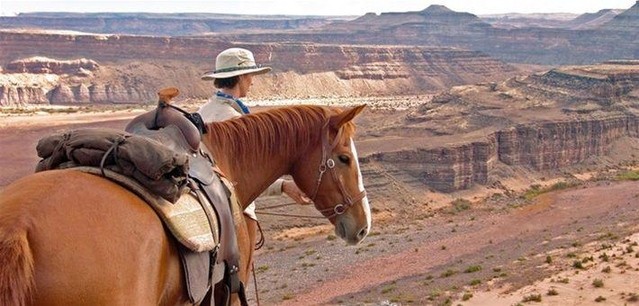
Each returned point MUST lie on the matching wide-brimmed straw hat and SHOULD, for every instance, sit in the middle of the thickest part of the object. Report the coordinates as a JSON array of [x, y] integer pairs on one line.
[[233, 62]]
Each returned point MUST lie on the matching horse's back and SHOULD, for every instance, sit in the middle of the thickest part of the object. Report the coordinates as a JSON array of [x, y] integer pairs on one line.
[[91, 241]]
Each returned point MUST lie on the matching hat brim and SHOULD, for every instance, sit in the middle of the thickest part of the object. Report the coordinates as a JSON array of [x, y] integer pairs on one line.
[[212, 75]]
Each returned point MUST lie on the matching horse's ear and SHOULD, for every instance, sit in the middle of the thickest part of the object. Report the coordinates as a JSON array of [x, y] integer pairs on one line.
[[342, 118]]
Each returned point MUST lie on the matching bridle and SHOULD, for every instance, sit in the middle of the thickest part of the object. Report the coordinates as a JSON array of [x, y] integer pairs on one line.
[[328, 164]]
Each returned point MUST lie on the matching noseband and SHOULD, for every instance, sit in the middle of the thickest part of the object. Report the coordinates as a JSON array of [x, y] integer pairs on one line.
[[328, 164]]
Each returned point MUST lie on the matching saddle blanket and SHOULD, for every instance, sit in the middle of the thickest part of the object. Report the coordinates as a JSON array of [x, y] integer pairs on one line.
[[186, 218]]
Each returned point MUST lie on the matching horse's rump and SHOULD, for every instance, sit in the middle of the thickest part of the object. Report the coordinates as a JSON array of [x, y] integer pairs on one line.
[[88, 234]]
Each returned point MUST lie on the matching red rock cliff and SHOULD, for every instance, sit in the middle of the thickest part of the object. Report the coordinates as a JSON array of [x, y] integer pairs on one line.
[[543, 122], [131, 69]]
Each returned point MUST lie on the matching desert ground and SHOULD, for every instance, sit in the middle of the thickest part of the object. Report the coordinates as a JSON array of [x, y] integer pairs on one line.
[[577, 245]]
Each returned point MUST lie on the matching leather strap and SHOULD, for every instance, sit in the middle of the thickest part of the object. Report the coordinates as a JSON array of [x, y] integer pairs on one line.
[[229, 252]]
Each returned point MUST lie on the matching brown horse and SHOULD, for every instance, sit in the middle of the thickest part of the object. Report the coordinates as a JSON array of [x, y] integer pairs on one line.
[[72, 238]]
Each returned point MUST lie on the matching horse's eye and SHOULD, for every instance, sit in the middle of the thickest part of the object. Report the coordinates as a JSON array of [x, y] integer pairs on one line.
[[344, 159]]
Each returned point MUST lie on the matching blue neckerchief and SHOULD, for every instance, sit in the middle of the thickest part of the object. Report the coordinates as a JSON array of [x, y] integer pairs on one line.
[[241, 104]]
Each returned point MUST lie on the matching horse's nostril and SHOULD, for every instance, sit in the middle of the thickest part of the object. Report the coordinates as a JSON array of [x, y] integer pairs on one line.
[[362, 233]]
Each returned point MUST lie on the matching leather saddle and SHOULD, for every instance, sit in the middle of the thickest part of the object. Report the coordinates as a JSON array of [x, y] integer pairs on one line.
[[182, 132], [172, 126]]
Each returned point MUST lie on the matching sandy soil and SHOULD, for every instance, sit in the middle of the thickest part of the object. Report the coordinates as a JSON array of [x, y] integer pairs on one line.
[[501, 250], [495, 251]]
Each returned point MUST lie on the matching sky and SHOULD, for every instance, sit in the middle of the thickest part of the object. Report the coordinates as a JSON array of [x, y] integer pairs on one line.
[[310, 7]]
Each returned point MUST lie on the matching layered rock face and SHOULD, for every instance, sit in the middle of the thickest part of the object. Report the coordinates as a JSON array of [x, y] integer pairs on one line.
[[550, 146], [543, 122], [556, 145], [46, 65], [447, 168], [12, 94], [41, 80], [132, 69], [13, 90], [547, 46], [15, 45]]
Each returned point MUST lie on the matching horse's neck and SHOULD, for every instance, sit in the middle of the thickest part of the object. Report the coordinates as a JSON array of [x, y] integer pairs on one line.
[[254, 176], [250, 168]]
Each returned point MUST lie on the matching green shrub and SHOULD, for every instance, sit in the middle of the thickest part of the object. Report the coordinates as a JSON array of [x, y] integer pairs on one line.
[[448, 273], [467, 296], [632, 175], [532, 298], [536, 190], [473, 269], [460, 205], [597, 283]]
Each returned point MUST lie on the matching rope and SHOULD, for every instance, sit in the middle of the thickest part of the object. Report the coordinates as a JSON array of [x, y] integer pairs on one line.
[[290, 215], [260, 243], [277, 206], [262, 212], [114, 149], [257, 295]]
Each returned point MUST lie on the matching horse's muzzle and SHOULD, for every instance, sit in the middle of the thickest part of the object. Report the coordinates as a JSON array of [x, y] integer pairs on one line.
[[348, 230]]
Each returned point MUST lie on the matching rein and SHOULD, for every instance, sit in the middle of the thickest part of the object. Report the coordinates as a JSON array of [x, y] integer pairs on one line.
[[262, 212]]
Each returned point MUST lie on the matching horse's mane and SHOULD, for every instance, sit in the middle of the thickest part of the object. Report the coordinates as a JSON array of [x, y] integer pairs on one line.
[[279, 130]]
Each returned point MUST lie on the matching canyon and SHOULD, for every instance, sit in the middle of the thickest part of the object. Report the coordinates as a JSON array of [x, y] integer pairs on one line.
[[344, 56], [131, 69], [546, 122], [463, 136], [466, 115]]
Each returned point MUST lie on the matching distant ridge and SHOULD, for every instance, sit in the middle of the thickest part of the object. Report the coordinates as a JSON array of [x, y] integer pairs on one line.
[[158, 24], [433, 15], [445, 15], [627, 21], [528, 20], [174, 15], [437, 9], [593, 20]]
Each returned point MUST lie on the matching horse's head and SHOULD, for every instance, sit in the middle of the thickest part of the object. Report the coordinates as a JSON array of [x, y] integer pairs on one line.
[[313, 144], [330, 175]]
